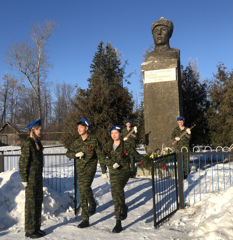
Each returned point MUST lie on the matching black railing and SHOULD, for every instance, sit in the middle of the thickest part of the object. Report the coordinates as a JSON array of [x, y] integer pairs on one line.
[[164, 187]]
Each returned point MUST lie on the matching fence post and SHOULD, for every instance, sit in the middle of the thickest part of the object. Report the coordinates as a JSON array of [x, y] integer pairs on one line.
[[180, 181], [1, 162], [153, 189]]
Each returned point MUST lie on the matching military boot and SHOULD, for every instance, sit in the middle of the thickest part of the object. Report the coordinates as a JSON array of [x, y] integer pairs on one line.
[[118, 227], [84, 224], [33, 235], [92, 209], [124, 210], [43, 233]]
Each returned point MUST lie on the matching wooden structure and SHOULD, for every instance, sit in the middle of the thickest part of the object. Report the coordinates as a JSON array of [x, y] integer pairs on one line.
[[12, 134]]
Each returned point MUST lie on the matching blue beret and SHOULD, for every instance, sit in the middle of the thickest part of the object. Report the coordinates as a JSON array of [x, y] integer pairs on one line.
[[32, 124], [128, 121], [116, 127], [180, 118], [83, 120]]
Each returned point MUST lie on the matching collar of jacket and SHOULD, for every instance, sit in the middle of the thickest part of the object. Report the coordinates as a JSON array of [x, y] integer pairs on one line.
[[88, 138]]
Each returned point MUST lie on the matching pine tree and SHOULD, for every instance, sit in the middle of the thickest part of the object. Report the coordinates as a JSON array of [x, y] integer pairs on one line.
[[106, 102], [195, 104], [140, 121], [221, 107]]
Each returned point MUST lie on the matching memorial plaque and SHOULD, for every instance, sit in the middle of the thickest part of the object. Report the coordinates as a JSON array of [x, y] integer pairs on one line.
[[162, 75]]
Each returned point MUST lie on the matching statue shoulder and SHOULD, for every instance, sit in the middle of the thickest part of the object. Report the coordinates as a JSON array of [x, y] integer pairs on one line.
[[150, 56], [166, 54], [176, 52]]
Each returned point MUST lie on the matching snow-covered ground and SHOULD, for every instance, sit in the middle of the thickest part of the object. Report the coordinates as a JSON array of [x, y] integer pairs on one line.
[[211, 218]]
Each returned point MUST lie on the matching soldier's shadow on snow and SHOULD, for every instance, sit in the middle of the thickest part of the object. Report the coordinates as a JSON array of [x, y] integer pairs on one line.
[[165, 201], [4, 233], [72, 221], [165, 195], [146, 195]]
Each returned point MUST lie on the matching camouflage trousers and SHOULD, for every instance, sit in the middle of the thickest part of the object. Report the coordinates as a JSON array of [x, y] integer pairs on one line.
[[185, 165], [33, 206], [86, 195], [132, 165], [185, 159], [118, 182]]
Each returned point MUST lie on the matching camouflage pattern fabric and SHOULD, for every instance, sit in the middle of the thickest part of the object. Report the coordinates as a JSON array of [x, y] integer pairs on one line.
[[86, 168], [30, 168], [184, 142], [120, 176], [132, 141]]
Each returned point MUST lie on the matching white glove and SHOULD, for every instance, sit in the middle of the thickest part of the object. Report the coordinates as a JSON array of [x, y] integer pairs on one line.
[[104, 176], [125, 138], [177, 139], [79, 154], [135, 129], [115, 165], [188, 130], [25, 184]]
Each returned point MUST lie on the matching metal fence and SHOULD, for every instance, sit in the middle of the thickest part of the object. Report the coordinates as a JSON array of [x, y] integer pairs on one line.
[[164, 187], [58, 171], [209, 172]]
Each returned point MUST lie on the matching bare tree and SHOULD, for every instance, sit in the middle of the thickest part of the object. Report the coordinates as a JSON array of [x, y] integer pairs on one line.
[[10, 91], [32, 60], [28, 107], [64, 95], [4, 97], [46, 103]]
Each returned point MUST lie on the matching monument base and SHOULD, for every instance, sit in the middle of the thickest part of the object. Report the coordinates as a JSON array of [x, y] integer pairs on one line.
[[162, 101]]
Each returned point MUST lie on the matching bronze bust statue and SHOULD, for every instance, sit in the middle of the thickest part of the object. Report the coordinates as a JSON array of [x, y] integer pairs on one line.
[[162, 31]]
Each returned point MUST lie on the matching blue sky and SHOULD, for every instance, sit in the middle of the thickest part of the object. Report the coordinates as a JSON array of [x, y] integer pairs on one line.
[[203, 30]]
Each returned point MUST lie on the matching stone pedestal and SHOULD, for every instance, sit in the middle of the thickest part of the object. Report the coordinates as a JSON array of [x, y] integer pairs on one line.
[[162, 99]]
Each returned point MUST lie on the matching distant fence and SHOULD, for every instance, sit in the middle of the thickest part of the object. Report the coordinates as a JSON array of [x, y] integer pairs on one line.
[[58, 171], [209, 172]]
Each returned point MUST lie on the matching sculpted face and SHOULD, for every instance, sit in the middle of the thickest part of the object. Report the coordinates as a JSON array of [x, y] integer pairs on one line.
[[161, 35]]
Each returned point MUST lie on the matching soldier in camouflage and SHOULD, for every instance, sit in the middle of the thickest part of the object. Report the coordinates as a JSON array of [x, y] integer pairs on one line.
[[30, 168], [87, 149], [184, 142], [132, 140], [118, 162]]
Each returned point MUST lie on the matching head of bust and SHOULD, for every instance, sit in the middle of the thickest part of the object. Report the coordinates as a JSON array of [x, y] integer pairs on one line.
[[162, 31]]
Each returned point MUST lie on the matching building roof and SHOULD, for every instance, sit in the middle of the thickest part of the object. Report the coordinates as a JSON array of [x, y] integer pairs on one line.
[[19, 128]]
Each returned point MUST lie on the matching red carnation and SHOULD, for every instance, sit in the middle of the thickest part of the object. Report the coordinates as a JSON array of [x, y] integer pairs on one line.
[[89, 148], [165, 167], [125, 153]]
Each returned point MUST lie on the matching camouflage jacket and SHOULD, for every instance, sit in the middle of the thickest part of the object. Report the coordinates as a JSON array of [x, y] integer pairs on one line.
[[31, 160], [116, 156], [184, 142], [131, 139], [91, 149]]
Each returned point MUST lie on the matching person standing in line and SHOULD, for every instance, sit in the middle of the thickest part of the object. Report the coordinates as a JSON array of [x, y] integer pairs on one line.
[[117, 159], [184, 142], [87, 150], [131, 139], [30, 169]]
